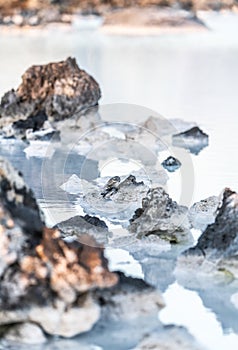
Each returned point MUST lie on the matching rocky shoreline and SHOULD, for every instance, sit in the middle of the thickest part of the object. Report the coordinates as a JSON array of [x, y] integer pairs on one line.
[[113, 17], [56, 281]]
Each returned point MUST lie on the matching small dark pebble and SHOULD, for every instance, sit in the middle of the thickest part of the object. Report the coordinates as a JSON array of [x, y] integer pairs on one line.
[[171, 164]]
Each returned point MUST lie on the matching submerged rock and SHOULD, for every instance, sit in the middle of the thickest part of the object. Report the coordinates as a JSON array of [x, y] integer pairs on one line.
[[17, 201], [160, 215], [171, 164], [130, 300], [60, 89], [27, 333], [111, 187], [217, 247], [78, 226], [169, 338], [193, 139], [203, 213], [116, 200], [114, 185]]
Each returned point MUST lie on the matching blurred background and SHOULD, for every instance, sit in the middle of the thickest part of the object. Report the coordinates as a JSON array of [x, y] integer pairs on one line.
[[177, 58]]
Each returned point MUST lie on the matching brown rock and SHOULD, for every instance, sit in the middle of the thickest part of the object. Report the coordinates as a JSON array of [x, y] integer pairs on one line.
[[70, 269], [60, 89], [41, 272]]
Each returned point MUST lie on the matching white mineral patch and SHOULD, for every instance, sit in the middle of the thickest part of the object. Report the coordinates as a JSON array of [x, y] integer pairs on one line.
[[75, 185], [40, 149], [121, 260], [66, 323], [234, 300], [203, 213], [174, 338], [27, 333]]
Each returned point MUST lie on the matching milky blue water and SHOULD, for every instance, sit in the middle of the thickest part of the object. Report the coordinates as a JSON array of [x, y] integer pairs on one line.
[[192, 76]]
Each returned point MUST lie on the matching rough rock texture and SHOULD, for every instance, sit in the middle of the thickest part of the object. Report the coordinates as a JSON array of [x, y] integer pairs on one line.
[[193, 139], [96, 7], [171, 164], [130, 299], [44, 279], [111, 187], [223, 232], [152, 19], [27, 333], [17, 201], [52, 280], [115, 184], [112, 198], [77, 226], [59, 90], [217, 247], [203, 213], [160, 215], [170, 338]]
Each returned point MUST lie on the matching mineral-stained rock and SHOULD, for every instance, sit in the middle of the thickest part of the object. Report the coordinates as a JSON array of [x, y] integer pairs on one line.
[[171, 164], [17, 200], [160, 215], [193, 139], [130, 299], [111, 187], [203, 213], [39, 271], [114, 185], [78, 225], [34, 122], [217, 247], [169, 338], [27, 333], [59, 89], [112, 199]]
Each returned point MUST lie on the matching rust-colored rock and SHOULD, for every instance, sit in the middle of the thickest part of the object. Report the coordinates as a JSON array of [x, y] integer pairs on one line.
[[70, 269], [43, 279], [61, 89], [68, 6]]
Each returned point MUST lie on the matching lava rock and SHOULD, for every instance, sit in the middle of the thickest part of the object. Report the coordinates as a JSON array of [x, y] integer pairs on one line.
[[160, 215], [116, 200], [115, 184], [111, 187], [34, 122], [93, 220], [222, 234], [17, 199], [171, 164], [130, 299], [169, 338], [219, 242], [42, 275], [60, 89], [193, 139], [203, 213], [27, 333], [78, 225]]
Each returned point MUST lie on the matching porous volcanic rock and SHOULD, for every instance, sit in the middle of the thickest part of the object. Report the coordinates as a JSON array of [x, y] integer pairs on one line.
[[160, 215], [56, 90], [169, 338], [217, 247], [131, 299], [203, 213], [44, 280], [77, 226]]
